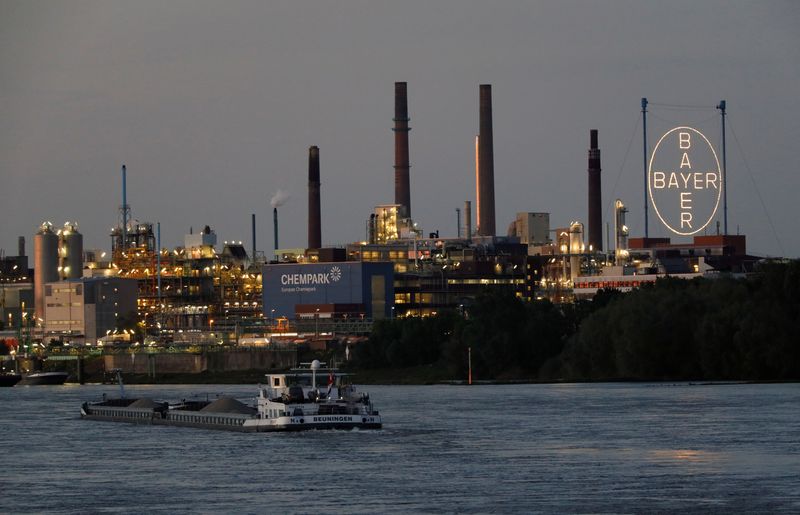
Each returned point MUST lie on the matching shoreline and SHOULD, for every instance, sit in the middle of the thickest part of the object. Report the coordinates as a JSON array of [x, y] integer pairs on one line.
[[403, 377]]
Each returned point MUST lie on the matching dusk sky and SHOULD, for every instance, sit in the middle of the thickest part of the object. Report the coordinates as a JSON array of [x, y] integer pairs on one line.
[[213, 105]]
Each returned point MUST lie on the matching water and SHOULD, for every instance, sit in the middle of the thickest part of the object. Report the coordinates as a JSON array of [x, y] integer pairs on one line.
[[598, 448]]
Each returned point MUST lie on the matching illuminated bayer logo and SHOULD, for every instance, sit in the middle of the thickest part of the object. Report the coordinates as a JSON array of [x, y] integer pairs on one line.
[[684, 181], [336, 273]]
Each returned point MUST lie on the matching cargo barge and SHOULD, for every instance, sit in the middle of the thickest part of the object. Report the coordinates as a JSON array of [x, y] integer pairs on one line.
[[288, 402]]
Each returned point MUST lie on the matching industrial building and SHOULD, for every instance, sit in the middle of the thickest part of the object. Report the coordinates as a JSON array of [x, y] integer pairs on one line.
[[328, 290], [397, 271], [87, 309]]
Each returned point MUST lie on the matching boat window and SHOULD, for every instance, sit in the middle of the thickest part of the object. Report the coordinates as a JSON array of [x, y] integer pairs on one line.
[[277, 381]]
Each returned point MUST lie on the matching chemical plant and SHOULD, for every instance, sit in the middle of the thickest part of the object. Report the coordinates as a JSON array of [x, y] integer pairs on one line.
[[210, 293]]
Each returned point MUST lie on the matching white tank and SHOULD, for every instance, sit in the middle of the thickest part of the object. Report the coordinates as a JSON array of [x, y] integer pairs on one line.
[[45, 264], [70, 252], [576, 248], [620, 234]]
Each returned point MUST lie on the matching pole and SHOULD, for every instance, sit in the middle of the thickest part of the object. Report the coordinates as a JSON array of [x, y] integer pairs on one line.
[[458, 223], [469, 364], [721, 108], [644, 159], [158, 271]]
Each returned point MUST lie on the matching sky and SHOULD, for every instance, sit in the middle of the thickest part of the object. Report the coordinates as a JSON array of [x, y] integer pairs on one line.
[[212, 107]]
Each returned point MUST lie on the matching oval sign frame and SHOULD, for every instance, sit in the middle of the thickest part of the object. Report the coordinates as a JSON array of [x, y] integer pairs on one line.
[[650, 181]]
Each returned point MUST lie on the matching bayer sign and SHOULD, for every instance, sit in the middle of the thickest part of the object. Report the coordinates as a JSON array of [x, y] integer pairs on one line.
[[684, 181]]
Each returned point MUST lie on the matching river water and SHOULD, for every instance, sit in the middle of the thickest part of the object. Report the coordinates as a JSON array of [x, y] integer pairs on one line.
[[586, 448]]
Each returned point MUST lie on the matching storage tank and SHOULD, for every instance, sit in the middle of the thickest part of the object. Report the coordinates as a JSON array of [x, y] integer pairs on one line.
[[576, 248], [620, 234], [45, 264], [70, 252]]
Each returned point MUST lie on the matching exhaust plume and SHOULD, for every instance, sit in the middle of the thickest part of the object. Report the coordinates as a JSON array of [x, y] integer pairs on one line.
[[279, 198]]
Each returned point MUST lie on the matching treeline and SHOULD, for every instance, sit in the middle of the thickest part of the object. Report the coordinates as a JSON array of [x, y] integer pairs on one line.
[[716, 329]]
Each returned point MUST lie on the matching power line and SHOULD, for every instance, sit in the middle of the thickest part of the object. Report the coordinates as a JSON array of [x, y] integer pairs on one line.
[[675, 122], [683, 107], [755, 186], [622, 167]]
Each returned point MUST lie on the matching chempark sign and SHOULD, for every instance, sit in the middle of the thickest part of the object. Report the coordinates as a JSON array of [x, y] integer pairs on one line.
[[684, 180]]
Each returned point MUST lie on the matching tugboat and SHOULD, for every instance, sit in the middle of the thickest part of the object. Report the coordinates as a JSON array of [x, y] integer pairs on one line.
[[289, 402]]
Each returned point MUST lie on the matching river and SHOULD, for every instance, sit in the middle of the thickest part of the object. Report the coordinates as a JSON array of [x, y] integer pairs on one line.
[[582, 448]]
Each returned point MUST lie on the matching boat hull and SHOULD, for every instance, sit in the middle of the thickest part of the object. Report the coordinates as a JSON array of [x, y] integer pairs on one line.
[[9, 379], [43, 378], [232, 422]]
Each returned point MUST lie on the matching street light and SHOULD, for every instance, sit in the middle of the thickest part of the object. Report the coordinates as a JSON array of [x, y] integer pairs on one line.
[[316, 323], [392, 315]]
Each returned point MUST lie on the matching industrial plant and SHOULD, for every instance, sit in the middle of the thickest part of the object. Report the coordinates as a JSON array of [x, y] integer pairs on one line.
[[211, 293]]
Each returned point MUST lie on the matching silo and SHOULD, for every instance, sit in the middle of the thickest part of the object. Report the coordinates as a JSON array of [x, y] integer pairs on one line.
[[620, 234], [576, 248], [45, 264], [70, 252]]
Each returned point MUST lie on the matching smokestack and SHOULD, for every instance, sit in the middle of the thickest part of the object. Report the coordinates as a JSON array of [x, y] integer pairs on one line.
[[21, 246], [595, 201], [275, 221], [486, 224], [253, 223], [124, 208], [477, 183], [468, 220], [314, 217], [402, 187]]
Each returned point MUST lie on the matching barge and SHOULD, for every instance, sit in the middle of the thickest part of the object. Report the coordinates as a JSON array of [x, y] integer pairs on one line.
[[290, 401]]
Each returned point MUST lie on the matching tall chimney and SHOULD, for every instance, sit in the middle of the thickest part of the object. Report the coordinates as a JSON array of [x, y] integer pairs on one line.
[[595, 197], [275, 221], [468, 220], [253, 256], [314, 217], [402, 187], [21, 246], [125, 209], [477, 183], [486, 224]]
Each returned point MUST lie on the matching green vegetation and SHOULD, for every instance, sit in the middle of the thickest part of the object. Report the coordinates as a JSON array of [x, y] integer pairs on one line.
[[720, 329]]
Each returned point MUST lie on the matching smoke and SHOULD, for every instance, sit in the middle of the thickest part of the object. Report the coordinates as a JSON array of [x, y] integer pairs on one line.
[[279, 198]]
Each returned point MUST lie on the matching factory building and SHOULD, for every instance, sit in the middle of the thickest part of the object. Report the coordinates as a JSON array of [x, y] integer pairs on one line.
[[16, 288], [84, 310], [328, 290]]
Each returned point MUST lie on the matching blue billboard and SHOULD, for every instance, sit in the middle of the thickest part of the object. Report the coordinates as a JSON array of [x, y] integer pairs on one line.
[[285, 286]]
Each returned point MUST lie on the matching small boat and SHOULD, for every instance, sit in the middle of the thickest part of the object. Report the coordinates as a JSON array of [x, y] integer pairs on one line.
[[288, 402], [9, 379], [43, 378]]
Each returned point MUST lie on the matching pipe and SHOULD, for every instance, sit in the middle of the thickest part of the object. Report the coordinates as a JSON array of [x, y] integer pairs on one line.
[[314, 215], [402, 186], [595, 196], [486, 222], [468, 220], [253, 226], [275, 221]]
